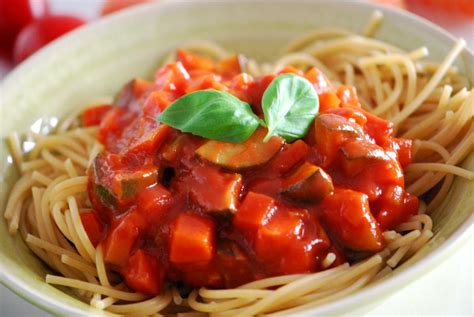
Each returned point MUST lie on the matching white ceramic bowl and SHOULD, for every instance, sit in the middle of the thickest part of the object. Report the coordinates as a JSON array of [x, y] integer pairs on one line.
[[97, 59]]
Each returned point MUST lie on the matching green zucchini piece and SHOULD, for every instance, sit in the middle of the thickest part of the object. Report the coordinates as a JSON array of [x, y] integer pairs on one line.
[[238, 156]]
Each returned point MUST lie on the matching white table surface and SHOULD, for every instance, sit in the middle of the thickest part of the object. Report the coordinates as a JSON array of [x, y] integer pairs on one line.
[[445, 291]]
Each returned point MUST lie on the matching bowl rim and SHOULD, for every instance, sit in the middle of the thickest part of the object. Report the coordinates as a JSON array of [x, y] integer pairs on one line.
[[423, 266]]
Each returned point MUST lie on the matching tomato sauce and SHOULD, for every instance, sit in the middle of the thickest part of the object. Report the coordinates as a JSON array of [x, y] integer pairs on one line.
[[173, 207]]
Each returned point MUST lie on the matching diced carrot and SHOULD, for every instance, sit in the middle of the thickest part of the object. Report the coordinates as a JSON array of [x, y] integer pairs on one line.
[[255, 211], [193, 61], [144, 274], [192, 239], [94, 228], [347, 215], [122, 237], [93, 116], [328, 101]]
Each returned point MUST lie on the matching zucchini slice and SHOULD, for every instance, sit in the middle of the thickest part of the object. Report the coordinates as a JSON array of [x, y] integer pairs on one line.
[[238, 156]]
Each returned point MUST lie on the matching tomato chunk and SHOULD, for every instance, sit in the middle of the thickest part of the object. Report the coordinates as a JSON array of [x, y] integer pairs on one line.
[[234, 265], [93, 226], [192, 239], [330, 132], [256, 90], [358, 155], [156, 102], [231, 66], [201, 274], [320, 82], [348, 97], [214, 190], [379, 129], [288, 157], [122, 237], [347, 215], [144, 274], [93, 116], [172, 77], [353, 115], [153, 201], [283, 246], [404, 151], [131, 92], [395, 206]]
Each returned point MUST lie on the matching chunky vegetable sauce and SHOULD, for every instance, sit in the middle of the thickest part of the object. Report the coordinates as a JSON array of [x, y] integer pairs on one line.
[[173, 207]]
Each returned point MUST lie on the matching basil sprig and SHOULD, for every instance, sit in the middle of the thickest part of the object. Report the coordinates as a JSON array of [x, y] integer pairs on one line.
[[212, 114], [289, 104]]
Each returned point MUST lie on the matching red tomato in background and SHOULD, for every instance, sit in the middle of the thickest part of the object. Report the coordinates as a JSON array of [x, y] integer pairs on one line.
[[15, 14], [464, 7], [40, 32], [111, 6]]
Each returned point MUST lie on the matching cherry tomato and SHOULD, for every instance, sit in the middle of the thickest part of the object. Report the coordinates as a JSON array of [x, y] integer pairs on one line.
[[463, 7], [40, 32], [15, 14], [111, 6]]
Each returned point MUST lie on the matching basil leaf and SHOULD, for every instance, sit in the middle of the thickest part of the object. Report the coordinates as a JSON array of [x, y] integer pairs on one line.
[[212, 114], [290, 105]]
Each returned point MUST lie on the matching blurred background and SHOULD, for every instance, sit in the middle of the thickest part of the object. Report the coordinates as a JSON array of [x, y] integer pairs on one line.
[[28, 25]]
